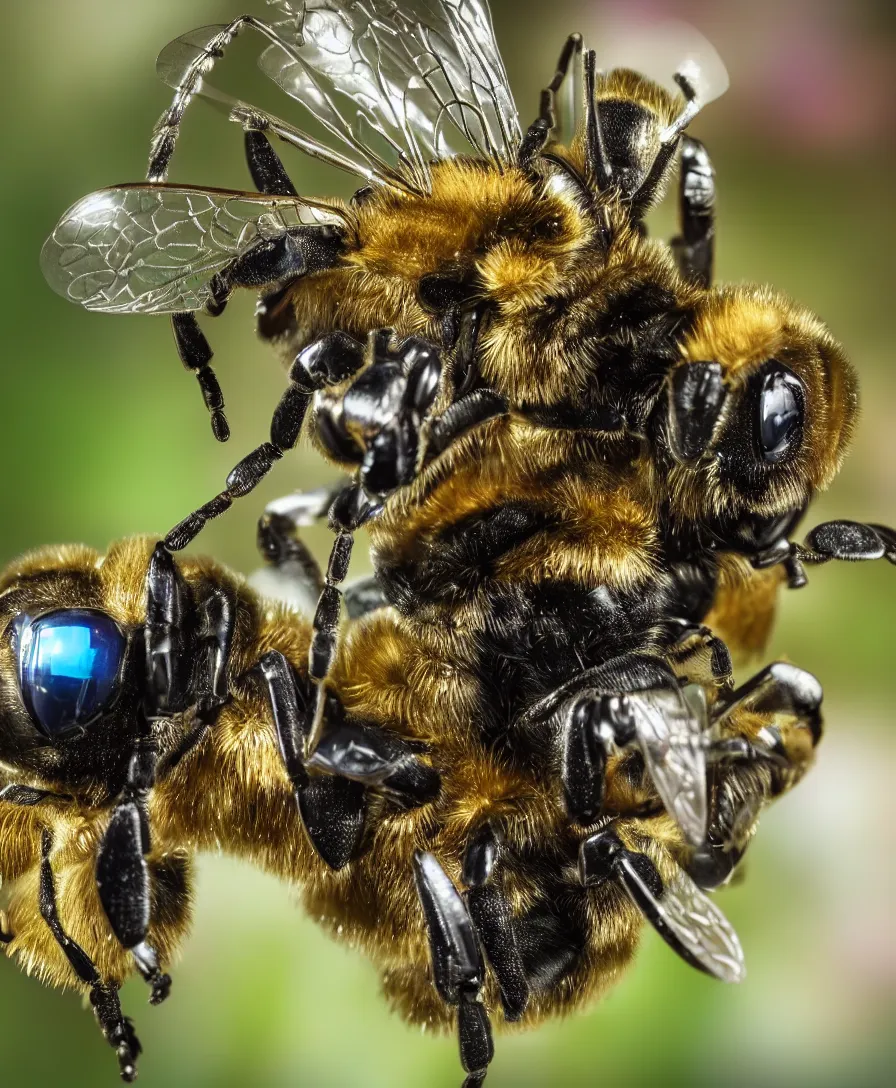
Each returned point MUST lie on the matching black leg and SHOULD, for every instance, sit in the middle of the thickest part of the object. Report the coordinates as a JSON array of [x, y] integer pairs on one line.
[[25, 797], [327, 361], [848, 540], [215, 637], [268, 173], [694, 248], [192, 346], [407, 379], [196, 355], [572, 50], [348, 512], [278, 525], [171, 648], [546, 124], [461, 337], [333, 810], [104, 998], [122, 874], [744, 775], [599, 170], [264, 263], [167, 128], [697, 395], [643, 198], [492, 917], [458, 970], [377, 422], [291, 572], [851, 541], [462, 417], [637, 701], [737, 805], [584, 759], [352, 758], [779, 688], [375, 758], [699, 656], [210, 688], [289, 712]]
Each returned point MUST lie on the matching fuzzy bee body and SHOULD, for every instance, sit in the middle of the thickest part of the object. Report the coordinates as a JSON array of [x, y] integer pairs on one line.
[[572, 452], [226, 787]]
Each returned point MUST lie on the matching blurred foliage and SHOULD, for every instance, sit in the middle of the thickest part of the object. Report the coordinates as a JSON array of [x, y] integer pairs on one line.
[[104, 435]]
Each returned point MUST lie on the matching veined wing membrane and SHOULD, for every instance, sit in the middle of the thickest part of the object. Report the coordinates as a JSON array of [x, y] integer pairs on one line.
[[420, 79], [670, 736], [154, 248], [687, 920]]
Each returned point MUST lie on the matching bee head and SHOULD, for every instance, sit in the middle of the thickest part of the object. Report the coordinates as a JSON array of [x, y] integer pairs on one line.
[[756, 418], [68, 683]]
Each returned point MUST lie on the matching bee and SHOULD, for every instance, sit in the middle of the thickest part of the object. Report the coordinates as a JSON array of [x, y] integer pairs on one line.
[[469, 209], [564, 439], [155, 707], [521, 256]]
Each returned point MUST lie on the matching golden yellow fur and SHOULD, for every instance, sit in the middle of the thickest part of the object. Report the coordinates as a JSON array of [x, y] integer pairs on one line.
[[743, 611]]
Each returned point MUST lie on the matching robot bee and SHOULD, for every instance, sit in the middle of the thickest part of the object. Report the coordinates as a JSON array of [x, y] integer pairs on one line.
[[565, 441]]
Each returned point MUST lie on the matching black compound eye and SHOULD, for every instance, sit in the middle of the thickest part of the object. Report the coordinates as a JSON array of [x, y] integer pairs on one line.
[[780, 418], [69, 666]]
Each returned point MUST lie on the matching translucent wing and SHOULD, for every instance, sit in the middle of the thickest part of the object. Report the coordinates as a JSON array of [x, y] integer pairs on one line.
[[670, 734], [154, 248], [685, 918], [660, 48], [398, 83]]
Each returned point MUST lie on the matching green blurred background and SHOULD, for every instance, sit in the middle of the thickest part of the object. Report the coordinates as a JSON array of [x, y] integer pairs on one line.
[[103, 435]]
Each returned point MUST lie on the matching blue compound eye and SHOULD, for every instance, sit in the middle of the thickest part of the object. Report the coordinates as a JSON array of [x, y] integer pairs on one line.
[[69, 664]]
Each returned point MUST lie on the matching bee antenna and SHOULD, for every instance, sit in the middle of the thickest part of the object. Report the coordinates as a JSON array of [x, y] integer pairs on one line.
[[599, 170]]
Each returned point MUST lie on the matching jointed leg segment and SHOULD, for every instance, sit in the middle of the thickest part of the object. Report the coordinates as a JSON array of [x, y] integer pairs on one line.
[[103, 996]]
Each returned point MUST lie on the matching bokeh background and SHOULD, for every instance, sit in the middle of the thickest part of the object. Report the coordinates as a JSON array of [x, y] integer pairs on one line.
[[102, 434]]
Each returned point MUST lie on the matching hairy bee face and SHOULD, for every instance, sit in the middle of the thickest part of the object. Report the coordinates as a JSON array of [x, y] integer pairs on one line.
[[758, 416], [67, 694]]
